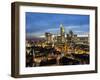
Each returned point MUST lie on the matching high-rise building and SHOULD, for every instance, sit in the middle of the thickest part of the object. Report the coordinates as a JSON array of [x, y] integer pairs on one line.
[[48, 37], [62, 33]]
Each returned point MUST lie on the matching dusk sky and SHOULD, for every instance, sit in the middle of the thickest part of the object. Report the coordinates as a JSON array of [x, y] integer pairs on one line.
[[39, 23]]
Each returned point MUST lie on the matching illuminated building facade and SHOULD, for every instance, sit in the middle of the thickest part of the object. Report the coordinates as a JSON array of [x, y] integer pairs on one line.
[[48, 37], [62, 33], [63, 42]]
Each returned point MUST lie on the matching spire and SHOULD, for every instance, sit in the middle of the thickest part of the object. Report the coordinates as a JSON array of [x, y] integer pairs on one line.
[[61, 25]]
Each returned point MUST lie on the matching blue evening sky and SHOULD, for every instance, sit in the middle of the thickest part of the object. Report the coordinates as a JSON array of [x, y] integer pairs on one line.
[[39, 23]]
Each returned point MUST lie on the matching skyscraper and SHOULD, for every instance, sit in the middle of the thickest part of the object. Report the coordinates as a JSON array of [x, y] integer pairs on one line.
[[62, 33], [48, 37]]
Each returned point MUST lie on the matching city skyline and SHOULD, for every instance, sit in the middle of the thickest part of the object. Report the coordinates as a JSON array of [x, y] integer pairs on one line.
[[39, 23]]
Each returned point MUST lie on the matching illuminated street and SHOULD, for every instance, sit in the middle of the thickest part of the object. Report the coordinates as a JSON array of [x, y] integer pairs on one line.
[[62, 49]]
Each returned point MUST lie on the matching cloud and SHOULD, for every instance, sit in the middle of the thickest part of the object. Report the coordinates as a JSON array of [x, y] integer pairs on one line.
[[76, 29], [36, 22], [42, 33]]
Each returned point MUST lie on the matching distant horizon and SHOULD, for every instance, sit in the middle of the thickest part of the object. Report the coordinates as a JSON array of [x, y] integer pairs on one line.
[[34, 37], [39, 23]]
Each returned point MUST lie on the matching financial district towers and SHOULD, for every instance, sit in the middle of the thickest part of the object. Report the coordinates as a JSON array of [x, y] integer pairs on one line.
[[60, 38], [65, 38]]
